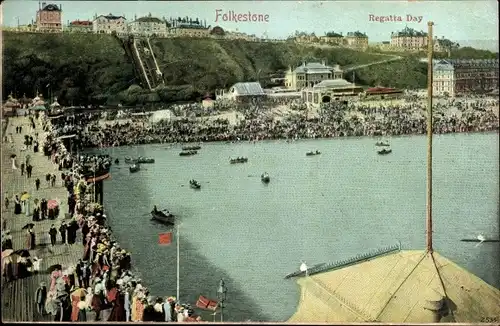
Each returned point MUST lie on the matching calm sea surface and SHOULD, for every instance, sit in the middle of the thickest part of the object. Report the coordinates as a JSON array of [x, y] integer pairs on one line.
[[346, 201]]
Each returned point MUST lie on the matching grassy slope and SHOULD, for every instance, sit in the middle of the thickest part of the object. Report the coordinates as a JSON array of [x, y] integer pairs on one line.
[[86, 66]]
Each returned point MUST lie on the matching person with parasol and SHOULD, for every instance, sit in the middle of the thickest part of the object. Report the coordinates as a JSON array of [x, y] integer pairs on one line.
[[77, 300], [25, 200]]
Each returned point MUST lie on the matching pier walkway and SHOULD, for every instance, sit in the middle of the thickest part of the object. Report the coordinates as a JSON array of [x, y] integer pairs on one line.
[[18, 297]]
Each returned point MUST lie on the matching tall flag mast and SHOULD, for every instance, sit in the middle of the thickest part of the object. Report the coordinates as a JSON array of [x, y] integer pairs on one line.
[[430, 48]]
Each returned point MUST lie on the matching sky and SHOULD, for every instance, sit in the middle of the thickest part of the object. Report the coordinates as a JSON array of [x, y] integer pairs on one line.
[[460, 21]]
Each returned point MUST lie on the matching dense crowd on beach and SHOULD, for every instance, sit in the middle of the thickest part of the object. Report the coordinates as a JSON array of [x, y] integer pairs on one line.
[[257, 123], [101, 281]]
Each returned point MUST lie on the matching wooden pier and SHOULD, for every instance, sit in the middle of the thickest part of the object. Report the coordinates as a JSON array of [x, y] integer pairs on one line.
[[18, 297]]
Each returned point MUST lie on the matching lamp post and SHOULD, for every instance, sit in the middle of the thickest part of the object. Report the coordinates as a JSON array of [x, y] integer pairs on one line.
[[221, 295]]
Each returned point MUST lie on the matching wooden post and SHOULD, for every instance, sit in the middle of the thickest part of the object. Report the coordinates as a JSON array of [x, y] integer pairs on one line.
[[430, 48]]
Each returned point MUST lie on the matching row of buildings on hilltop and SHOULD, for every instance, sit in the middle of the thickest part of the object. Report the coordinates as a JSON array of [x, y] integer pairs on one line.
[[351, 39], [407, 39], [49, 20]]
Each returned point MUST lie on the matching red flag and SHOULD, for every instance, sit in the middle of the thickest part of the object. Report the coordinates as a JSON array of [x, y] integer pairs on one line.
[[205, 303], [165, 238]]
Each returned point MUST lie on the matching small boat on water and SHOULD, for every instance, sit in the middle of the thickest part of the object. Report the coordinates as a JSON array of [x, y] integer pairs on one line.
[[384, 151], [191, 148], [164, 218], [265, 177], [134, 168], [189, 153], [117, 161], [238, 160], [311, 153], [194, 184], [145, 160], [382, 143], [130, 160]]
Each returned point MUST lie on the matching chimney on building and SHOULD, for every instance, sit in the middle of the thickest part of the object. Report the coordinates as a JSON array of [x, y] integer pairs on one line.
[[135, 17], [304, 63], [323, 63]]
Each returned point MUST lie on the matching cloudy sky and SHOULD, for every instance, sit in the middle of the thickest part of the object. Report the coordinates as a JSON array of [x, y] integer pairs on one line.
[[462, 21]]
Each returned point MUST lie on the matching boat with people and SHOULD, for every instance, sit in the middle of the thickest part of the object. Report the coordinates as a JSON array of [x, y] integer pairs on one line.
[[194, 184], [130, 160], [188, 153], [162, 217], [238, 160], [134, 168], [265, 177], [382, 143], [145, 160], [191, 148], [384, 151], [311, 153]]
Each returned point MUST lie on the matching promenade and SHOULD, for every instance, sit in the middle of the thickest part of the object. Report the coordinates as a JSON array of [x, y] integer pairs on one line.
[[18, 297]]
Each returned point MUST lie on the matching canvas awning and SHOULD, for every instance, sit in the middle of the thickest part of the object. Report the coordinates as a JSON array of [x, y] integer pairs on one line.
[[39, 108], [408, 286]]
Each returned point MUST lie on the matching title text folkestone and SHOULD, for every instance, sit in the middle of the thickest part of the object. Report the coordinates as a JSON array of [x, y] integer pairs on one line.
[[231, 16]]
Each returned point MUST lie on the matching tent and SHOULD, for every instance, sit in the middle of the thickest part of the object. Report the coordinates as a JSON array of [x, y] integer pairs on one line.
[[161, 115], [207, 103]]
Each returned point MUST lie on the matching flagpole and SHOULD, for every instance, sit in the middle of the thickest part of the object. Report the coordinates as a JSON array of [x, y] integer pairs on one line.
[[178, 263]]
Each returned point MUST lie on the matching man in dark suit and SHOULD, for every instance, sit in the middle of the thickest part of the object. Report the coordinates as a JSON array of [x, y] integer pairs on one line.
[[40, 298], [62, 230]]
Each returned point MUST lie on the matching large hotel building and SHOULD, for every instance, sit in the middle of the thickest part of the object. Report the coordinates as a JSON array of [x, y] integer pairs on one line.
[[458, 77]]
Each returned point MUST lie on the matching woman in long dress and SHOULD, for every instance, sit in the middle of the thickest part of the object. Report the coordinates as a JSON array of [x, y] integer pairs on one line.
[[17, 205], [36, 211], [30, 240], [82, 310], [27, 207], [75, 306]]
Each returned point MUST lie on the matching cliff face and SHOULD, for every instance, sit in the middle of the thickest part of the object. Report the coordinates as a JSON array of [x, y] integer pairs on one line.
[[79, 68]]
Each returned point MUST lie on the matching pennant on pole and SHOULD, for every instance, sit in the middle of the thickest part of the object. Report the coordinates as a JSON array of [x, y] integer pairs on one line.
[[165, 238]]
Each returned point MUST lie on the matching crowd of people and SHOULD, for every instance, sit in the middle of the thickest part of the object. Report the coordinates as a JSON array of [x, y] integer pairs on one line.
[[101, 281], [337, 119]]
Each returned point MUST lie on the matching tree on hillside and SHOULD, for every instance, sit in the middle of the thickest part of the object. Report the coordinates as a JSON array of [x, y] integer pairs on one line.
[[333, 34]]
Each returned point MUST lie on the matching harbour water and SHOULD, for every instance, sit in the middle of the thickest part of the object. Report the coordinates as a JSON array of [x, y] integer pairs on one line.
[[344, 202]]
